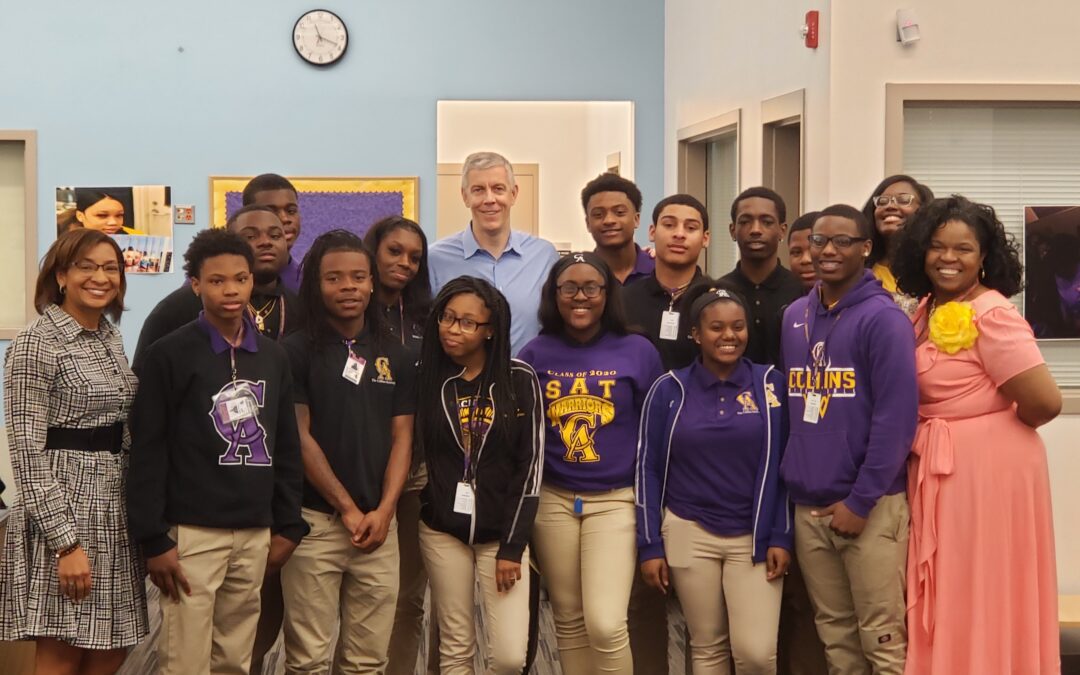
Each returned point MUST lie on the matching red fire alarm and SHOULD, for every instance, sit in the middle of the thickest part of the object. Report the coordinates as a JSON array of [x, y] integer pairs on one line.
[[810, 29]]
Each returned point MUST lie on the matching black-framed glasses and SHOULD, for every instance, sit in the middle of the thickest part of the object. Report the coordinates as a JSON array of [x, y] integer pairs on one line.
[[467, 326], [840, 241], [90, 267], [902, 199], [570, 289]]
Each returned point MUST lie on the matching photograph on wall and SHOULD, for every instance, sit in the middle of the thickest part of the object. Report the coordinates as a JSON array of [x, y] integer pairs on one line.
[[353, 204], [1052, 271], [138, 217]]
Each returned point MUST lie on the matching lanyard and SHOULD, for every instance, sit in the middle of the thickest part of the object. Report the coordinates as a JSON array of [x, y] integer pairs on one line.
[[232, 350], [471, 427], [808, 330], [401, 313]]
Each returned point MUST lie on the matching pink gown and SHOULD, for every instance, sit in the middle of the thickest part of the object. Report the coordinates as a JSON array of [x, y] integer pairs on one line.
[[981, 579]]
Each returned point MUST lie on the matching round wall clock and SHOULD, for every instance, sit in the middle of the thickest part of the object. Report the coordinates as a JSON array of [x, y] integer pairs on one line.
[[320, 37]]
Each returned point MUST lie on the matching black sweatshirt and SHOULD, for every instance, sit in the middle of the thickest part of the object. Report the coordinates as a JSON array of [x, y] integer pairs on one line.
[[182, 306], [191, 464], [507, 476]]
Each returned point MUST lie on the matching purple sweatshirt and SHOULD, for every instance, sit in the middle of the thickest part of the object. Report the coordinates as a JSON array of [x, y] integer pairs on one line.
[[860, 357], [593, 394]]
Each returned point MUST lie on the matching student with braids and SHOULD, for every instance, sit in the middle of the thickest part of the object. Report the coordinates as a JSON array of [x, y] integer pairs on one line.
[[594, 376], [713, 517], [353, 389], [480, 425]]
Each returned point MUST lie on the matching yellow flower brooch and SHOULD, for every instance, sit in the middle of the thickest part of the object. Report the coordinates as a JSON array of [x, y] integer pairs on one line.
[[952, 327]]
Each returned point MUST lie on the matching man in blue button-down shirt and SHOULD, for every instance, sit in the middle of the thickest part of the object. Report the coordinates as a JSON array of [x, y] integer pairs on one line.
[[514, 262]]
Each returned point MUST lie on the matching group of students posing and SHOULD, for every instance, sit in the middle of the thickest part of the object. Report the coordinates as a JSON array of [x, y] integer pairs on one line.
[[307, 445]]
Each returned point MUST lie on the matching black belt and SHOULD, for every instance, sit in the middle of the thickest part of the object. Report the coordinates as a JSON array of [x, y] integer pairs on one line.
[[101, 439]]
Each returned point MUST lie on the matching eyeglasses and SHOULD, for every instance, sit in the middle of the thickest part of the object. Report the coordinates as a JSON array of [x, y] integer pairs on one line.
[[902, 199], [840, 241], [88, 267], [569, 290], [468, 326]]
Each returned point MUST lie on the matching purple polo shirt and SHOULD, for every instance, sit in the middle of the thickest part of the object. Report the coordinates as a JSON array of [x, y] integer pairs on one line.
[[219, 344], [290, 275], [716, 449], [643, 266]]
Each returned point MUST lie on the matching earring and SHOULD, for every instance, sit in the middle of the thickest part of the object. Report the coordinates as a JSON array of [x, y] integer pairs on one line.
[[982, 272], [866, 255], [63, 290]]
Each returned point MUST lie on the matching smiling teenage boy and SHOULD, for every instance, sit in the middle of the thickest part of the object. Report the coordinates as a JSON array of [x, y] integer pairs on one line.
[[680, 231], [849, 354], [215, 480]]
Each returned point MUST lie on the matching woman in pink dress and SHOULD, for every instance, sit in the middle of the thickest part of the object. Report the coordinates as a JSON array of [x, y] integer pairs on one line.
[[982, 581]]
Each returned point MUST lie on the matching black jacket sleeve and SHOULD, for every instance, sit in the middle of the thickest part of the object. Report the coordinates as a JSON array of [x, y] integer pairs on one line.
[[524, 493], [148, 473], [288, 465]]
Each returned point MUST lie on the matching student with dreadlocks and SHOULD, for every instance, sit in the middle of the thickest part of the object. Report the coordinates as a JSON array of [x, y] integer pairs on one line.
[[713, 516], [480, 424], [594, 375], [353, 389]]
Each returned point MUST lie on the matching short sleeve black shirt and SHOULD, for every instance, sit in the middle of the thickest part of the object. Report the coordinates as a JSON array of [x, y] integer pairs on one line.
[[767, 302], [352, 422], [645, 302]]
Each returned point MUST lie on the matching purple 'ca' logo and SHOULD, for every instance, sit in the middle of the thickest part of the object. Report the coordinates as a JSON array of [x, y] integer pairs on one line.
[[247, 433]]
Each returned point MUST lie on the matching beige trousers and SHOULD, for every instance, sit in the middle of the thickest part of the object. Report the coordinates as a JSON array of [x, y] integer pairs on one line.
[[857, 587], [454, 568], [732, 611], [213, 629], [409, 617], [588, 562], [328, 580]]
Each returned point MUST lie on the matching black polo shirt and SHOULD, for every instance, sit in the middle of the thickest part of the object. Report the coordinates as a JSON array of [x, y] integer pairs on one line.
[[352, 422], [767, 301], [645, 302]]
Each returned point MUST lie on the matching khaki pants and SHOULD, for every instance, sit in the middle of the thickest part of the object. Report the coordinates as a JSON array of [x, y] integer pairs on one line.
[[328, 580], [857, 587], [731, 609], [409, 617], [589, 561], [453, 568], [213, 629]]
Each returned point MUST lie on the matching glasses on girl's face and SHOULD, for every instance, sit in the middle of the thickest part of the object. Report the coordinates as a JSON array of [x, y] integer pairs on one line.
[[840, 241], [902, 199], [87, 267], [569, 290], [467, 326]]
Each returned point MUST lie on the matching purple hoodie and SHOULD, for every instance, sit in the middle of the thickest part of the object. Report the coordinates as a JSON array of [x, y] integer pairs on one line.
[[856, 452]]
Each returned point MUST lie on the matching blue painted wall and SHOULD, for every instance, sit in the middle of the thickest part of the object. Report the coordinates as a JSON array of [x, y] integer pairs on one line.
[[130, 92]]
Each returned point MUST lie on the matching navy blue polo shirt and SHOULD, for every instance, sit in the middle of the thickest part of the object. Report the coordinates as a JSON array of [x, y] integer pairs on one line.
[[352, 422], [716, 448]]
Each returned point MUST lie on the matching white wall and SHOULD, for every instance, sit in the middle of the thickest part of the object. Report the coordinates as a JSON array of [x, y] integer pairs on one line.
[[963, 41], [569, 140], [721, 56]]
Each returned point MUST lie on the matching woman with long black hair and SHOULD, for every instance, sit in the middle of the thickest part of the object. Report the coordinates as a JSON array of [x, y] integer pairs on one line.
[[480, 426]]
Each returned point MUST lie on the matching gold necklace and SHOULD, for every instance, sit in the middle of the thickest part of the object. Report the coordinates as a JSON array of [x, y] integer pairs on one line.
[[262, 314]]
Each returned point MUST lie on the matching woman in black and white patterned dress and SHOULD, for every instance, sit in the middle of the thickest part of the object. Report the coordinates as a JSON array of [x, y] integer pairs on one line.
[[70, 578]]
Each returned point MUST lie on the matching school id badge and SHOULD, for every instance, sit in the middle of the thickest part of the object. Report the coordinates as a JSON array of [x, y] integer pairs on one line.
[[354, 368], [236, 404]]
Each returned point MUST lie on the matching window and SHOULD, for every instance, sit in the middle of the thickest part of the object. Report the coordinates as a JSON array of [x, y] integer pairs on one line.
[[1010, 154]]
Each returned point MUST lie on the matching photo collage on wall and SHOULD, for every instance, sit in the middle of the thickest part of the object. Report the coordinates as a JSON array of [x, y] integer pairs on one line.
[[139, 218]]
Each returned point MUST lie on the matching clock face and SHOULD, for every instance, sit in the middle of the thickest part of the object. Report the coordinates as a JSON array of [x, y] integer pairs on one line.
[[320, 37]]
